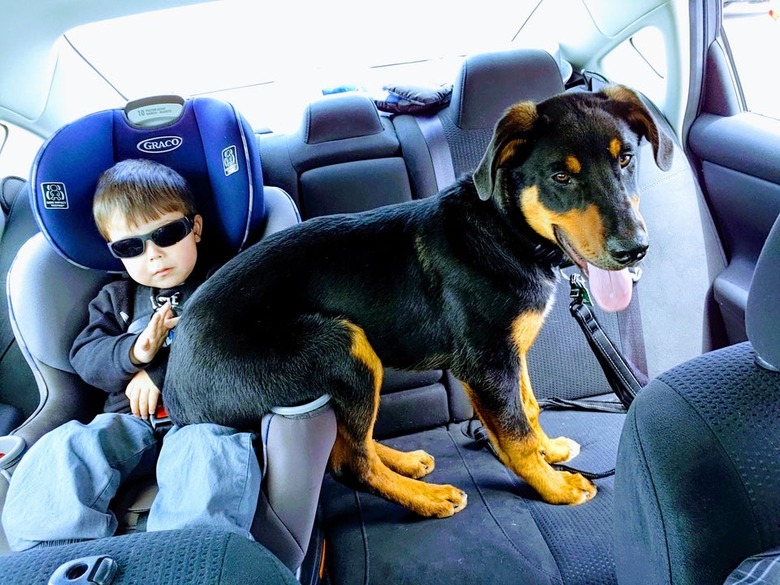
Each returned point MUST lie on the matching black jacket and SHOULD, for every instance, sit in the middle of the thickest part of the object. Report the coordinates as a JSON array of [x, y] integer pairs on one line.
[[117, 315]]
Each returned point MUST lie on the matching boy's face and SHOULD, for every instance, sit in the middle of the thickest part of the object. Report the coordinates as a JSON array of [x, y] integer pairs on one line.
[[159, 267]]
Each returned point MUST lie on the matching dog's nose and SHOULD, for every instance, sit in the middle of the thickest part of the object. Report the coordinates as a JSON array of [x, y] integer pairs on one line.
[[627, 251]]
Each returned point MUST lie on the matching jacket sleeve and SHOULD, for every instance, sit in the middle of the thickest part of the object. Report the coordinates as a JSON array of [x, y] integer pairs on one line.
[[157, 368], [101, 352]]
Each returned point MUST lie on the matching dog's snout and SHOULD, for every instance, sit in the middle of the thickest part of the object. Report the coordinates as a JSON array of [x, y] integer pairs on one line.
[[627, 252]]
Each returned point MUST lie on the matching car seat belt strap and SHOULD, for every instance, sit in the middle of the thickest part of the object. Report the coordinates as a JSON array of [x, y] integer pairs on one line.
[[441, 157], [623, 379]]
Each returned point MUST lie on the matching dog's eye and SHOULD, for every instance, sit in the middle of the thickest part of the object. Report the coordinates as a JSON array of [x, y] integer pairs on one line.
[[625, 159], [562, 178]]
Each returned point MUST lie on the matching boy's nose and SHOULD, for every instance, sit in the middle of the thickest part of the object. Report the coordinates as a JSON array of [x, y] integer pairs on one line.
[[152, 250]]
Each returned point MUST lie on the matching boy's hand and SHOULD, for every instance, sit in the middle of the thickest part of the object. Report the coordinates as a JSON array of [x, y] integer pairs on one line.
[[143, 395], [152, 338]]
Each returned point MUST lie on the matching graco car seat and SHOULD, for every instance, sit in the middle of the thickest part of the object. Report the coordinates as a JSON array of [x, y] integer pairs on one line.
[[698, 472], [58, 271]]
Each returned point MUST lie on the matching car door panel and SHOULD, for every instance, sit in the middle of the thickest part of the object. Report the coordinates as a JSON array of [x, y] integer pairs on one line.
[[741, 173]]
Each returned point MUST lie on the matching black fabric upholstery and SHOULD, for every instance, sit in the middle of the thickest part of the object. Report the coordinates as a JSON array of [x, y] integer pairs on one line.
[[354, 186], [350, 137], [325, 120], [9, 188], [505, 534], [488, 84], [762, 318], [698, 475], [174, 557]]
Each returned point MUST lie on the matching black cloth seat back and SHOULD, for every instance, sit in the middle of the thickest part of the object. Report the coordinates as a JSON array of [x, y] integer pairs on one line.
[[698, 472]]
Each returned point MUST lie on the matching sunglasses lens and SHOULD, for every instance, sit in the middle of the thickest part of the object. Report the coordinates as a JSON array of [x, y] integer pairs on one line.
[[127, 248], [171, 233], [164, 236]]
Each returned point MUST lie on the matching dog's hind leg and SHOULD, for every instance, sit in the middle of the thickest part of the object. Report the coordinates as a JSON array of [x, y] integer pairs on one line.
[[356, 454]]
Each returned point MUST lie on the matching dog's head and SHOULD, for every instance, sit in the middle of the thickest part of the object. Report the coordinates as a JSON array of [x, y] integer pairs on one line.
[[568, 164]]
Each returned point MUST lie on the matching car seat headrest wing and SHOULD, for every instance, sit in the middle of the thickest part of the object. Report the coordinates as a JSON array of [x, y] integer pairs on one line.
[[205, 140], [762, 317]]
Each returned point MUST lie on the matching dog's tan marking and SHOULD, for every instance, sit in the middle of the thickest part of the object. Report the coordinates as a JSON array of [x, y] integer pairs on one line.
[[363, 352], [615, 146], [524, 329], [573, 165], [425, 499], [519, 119], [522, 116], [583, 228], [363, 458], [524, 456]]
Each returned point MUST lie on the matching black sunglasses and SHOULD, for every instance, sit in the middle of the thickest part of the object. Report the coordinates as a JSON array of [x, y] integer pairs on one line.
[[164, 236]]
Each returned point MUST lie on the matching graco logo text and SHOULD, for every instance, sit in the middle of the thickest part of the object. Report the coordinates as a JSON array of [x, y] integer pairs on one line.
[[160, 144]]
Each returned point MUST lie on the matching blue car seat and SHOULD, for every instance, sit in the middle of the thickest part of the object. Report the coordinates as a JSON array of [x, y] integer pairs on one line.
[[59, 270]]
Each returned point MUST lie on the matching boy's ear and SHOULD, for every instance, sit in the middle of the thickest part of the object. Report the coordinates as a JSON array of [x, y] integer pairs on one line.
[[197, 227]]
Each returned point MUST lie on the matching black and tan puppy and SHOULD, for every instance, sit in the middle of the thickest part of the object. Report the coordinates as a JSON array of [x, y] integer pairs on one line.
[[462, 281]]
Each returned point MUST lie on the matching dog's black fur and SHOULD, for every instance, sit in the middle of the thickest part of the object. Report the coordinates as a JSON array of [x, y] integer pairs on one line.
[[460, 281]]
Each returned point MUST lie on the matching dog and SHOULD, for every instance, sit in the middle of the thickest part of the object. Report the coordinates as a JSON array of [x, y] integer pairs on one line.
[[459, 281]]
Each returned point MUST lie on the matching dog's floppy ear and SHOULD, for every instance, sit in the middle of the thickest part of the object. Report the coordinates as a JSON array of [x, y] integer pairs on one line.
[[626, 104], [510, 134]]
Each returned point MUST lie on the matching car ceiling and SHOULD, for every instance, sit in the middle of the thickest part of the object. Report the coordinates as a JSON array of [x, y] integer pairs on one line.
[[33, 50]]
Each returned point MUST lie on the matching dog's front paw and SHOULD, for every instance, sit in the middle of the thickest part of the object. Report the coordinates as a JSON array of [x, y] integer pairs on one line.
[[559, 450], [568, 488], [442, 501]]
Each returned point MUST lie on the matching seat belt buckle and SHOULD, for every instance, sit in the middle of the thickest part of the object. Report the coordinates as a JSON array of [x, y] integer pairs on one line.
[[160, 421], [579, 293]]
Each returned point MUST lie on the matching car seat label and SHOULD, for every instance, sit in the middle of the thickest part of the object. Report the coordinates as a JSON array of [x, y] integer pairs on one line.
[[54, 196], [230, 160]]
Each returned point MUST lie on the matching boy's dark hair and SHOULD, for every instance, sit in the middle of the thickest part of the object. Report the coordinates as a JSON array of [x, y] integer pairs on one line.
[[140, 190]]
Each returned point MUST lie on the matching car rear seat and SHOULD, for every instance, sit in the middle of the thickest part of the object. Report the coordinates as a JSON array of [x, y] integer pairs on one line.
[[506, 534]]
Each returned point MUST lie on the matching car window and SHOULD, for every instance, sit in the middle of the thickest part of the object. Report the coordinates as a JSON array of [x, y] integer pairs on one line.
[[18, 148], [752, 30], [270, 72], [640, 61]]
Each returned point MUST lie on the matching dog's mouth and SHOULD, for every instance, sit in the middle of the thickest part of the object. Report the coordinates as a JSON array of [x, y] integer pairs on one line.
[[611, 289], [571, 251]]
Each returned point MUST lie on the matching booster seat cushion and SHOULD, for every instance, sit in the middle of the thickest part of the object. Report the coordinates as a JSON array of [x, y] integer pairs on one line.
[[206, 140]]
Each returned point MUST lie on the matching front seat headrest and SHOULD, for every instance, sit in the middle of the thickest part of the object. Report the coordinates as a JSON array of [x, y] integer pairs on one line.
[[205, 140], [762, 317]]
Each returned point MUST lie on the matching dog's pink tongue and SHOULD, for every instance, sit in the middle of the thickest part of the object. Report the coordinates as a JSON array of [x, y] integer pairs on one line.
[[611, 289]]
